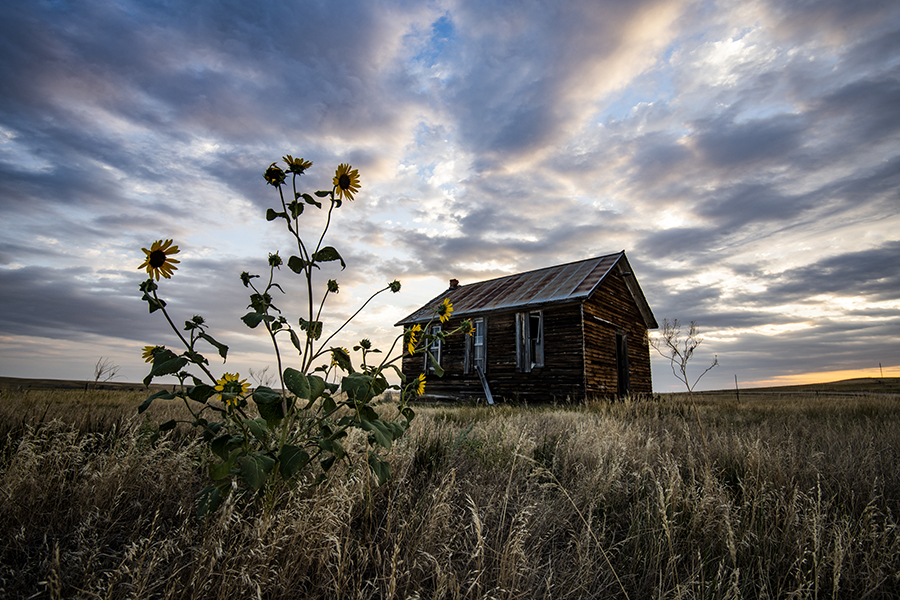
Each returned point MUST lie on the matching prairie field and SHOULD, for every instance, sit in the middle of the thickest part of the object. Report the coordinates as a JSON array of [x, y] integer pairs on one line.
[[777, 494]]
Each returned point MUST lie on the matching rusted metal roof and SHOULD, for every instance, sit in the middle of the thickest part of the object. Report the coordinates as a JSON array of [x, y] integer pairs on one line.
[[562, 284]]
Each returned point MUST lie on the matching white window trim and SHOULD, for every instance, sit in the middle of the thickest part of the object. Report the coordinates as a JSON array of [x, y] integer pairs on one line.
[[434, 347], [524, 359], [470, 361]]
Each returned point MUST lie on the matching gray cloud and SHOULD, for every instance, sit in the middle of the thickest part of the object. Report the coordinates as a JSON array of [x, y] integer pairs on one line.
[[743, 160]]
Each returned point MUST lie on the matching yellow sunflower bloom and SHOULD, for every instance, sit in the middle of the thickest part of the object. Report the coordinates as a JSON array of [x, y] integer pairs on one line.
[[346, 181], [411, 340], [296, 165], [230, 388], [158, 261], [149, 351], [420, 384], [445, 310]]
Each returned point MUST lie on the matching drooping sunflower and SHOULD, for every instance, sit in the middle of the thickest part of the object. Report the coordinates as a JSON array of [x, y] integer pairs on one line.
[[445, 310], [159, 261], [411, 340], [150, 351], [346, 181], [274, 175], [420, 384], [230, 388]]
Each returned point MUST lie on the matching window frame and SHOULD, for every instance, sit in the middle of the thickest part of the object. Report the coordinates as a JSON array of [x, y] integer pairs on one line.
[[471, 360], [434, 348], [530, 340]]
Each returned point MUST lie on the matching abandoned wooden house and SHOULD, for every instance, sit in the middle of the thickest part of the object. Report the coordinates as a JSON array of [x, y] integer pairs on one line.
[[569, 332]]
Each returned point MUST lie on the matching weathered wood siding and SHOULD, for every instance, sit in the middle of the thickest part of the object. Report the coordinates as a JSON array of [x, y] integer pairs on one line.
[[561, 377], [609, 310], [579, 353]]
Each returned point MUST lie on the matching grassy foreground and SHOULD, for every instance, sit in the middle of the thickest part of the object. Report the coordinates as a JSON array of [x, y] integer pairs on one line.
[[774, 496]]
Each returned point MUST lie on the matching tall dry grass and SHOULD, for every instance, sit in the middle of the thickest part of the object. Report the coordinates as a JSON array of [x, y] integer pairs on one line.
[[800, 499]]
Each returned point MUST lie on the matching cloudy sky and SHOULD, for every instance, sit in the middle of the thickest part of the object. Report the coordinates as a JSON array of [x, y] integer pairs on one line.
[[745, 154]]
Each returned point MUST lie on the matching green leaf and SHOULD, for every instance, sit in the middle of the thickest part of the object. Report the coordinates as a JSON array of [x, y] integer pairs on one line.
[[379, 431], [170, 424], [222, 348], [380, 469], [323, 193], [221, 470], [271, 215], [334, 447], [438, 370], [201, 392], [328, 253], [296, 382], [316, 387], [211, 498], [165, 363], [291, 461], [358, 387], [257, 428], [297, 264], [310, 200], [397, 429], [367, 413], [252, 319], [296, 209], [224, 444], [295, 340], [266, 395], [328, 405], [272, 413], [313, 329], [255, 469], [165, 395], [269, 404]]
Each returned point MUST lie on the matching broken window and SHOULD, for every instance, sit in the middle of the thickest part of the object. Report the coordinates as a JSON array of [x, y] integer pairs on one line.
[[476, 345], [529, 340]]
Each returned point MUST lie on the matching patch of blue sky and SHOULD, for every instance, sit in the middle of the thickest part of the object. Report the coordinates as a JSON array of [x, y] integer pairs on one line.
[[650, 88], [443, 33]]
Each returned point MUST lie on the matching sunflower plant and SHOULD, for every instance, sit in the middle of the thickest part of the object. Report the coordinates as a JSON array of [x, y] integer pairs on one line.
[[263, 437]]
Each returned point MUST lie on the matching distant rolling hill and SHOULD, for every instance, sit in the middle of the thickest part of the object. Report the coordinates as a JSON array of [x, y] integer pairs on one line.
[[870, 385]]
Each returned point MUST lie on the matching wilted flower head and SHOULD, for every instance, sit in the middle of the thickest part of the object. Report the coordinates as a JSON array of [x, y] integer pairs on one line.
[[275, 260], [274, 175], [246, 277], [150, 351], [333, 286], [467, 327], [395, 286]]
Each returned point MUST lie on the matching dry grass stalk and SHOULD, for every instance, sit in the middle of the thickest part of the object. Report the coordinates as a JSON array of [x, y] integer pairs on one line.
[[610, 500]]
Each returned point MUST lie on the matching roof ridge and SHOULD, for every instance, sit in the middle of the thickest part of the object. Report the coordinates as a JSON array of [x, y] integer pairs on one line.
[[559, 266]]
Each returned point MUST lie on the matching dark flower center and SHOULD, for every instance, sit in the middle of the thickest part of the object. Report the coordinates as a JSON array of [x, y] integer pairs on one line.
[[157, 259], [344, 182]]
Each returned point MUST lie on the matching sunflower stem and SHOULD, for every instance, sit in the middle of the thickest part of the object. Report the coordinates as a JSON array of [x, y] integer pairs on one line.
[[181, 337]]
